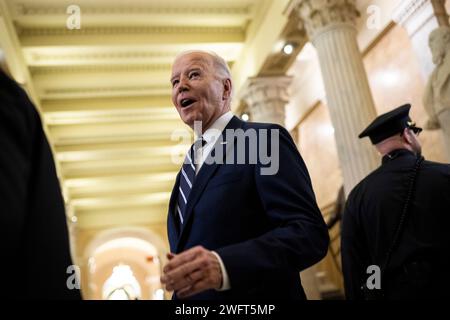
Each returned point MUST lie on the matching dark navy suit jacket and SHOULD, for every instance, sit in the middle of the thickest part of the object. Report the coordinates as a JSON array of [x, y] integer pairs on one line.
[[266, 228]]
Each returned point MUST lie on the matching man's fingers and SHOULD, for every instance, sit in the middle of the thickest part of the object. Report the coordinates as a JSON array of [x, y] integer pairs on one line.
[[182, 293], [183, 258], [189, 267], [191, 272], [194, 289], [178, 260], [188, 280], [177, 275], [186, 274], [170, 255]]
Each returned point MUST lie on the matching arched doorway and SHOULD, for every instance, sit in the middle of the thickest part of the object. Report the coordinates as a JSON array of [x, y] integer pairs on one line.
[[124, 264], [122, 285]]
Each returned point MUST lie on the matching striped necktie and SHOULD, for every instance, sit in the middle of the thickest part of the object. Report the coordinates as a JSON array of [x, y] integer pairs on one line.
[[187, 178]]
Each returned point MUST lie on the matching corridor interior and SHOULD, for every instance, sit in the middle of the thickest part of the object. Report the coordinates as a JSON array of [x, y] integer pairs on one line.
[[98, 72]]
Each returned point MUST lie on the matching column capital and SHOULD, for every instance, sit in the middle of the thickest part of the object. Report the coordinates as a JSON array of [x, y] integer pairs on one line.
[[319, 14], [266, 88], [266, 97]]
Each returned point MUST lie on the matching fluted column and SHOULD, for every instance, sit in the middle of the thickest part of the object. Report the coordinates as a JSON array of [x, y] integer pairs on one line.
[[330, 27], [420, 18], [266, 98]]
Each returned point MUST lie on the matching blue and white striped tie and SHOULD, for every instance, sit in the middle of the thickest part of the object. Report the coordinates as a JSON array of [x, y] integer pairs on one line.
[[187, 178]]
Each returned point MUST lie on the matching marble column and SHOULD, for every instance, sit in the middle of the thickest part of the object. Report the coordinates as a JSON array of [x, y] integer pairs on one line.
[[420, 18], [266, 98], [331, 28]]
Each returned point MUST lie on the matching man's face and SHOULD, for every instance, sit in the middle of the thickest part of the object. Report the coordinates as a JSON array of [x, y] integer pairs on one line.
[[197, 92], [413, 141], [416, 144]]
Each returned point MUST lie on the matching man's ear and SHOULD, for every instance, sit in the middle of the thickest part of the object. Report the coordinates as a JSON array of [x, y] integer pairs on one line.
[[407, 136], [227, 86]]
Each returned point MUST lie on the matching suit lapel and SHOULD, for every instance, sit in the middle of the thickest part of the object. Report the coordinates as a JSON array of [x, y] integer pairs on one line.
[[173, 229], [204, 175]]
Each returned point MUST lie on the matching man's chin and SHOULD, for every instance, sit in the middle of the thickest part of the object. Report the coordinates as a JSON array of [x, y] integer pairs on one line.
[[192, 120]]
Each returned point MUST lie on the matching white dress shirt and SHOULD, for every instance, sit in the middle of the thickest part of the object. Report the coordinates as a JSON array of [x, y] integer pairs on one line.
[[211, 135]]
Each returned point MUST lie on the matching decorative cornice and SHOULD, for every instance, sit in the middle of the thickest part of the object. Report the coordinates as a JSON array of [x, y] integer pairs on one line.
[[317, 15], [33, 10], [102, 56], [99, 68], [128, 30], [104, 89], [115, 115], [407, 8]]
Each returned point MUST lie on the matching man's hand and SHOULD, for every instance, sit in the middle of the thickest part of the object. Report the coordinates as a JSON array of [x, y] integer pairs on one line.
[[191, 272]]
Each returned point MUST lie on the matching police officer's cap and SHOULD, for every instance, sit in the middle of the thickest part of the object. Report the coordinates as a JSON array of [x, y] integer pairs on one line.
[[389, 124]]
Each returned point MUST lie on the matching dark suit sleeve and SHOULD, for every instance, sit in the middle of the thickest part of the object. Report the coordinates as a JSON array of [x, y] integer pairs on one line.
[[352, 252], [35, 237], [298, 237]]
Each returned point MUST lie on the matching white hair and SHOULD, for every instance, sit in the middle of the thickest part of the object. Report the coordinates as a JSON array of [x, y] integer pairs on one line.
[[219, 62]]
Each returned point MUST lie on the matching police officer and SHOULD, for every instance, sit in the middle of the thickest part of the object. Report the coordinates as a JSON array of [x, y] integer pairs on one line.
[[396, 220]]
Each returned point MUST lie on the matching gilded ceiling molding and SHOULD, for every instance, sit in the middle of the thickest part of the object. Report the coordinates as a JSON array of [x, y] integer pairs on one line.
[[112, 113], [128, 30], [99, 68], [90, 90], [30, 10], [101, 56]]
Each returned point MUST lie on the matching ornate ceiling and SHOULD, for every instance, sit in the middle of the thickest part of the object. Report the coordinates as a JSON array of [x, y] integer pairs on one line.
[[103, 90]]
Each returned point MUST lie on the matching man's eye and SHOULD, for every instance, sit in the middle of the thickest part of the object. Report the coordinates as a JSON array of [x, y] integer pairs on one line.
[[193, 75], [174, 83]]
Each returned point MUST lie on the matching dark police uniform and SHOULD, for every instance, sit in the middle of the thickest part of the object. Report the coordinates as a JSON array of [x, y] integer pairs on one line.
[[419, 264], [34, 243]]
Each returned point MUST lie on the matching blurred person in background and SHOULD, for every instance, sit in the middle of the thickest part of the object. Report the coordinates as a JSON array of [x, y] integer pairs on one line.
[[34, 241]]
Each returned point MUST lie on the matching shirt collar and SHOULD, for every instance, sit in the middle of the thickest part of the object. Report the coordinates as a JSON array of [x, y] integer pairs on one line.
[[395, 154], [216, 129]]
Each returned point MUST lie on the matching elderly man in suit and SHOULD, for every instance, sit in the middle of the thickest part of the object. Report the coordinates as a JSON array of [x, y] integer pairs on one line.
[[237, 227]]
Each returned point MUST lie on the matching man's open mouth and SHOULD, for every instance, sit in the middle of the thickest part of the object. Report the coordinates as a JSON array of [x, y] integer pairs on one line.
[[187, 102]]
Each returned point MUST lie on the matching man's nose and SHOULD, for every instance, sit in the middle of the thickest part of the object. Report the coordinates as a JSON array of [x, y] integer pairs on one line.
[[182, 86]]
